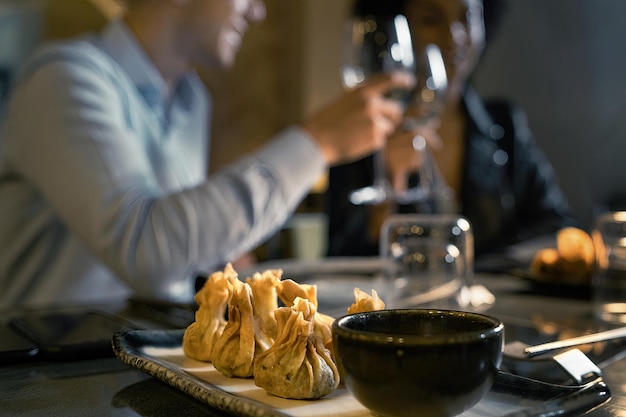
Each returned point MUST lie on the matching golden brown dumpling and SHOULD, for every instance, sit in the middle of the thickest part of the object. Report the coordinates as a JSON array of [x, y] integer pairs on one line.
[[233, 351], [365, 302], [289, 290], [297, 365], [212, 299], [265, 301]]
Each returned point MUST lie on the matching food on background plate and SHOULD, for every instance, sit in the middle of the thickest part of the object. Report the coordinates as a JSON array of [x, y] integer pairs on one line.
[[300, 362], [571, 262], [576, 245]]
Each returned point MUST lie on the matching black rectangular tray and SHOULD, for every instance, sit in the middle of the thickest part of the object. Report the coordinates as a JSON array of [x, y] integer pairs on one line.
[[160, 354]]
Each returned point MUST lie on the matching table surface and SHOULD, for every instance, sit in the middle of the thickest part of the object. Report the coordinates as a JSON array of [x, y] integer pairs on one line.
[[105, 386]]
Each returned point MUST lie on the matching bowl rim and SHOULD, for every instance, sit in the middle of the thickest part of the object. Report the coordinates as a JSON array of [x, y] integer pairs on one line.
[[496, 329]]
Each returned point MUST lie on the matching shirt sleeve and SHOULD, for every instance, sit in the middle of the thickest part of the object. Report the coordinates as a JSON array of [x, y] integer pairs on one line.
[[69, 140]]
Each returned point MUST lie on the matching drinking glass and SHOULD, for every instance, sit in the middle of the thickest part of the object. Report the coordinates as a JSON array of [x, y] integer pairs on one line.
[[424, 104], [427, 260], [609, 278], [375, 44]]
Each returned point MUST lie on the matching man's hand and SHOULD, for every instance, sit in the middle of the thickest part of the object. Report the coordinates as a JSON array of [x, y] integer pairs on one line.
[[401, 156], [359, 121]]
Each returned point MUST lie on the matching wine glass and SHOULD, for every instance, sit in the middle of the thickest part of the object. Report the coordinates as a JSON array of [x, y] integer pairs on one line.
[[424, 104], [375, 44]]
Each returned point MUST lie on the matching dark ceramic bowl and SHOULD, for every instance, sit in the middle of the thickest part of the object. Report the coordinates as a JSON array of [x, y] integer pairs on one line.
[[418, 362]]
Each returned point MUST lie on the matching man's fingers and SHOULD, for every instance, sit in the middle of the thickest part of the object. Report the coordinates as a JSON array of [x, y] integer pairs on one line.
[[390, 109], [383, 82]]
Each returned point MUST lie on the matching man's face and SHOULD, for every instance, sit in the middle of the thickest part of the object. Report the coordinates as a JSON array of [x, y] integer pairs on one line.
[[456, 26], [212, 30]]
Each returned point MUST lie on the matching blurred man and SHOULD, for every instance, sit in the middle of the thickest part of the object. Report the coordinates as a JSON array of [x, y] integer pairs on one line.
[[103, 159]]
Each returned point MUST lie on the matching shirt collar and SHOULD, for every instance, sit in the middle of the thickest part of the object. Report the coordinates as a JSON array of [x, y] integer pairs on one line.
[[122, 46], [120, 43]]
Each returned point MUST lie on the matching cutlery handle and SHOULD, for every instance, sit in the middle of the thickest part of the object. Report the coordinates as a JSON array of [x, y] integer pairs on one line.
[[575, 341]]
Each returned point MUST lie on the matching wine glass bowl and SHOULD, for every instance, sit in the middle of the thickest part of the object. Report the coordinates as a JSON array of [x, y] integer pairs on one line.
[[425, 103], [382, 42], [427, 98], [377, 44]]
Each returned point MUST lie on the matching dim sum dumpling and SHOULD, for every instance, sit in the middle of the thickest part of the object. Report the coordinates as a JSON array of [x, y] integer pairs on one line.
[[297, 365], [265, 301], [289, 290], [365, 302], [362, 302], [233, 351], [212, 299]]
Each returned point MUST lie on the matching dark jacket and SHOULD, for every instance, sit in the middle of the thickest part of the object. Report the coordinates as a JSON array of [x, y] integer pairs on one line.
[[509, 193]]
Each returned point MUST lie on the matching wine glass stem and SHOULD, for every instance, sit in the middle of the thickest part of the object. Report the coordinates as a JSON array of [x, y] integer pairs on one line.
[[425, 168], [380, 169]]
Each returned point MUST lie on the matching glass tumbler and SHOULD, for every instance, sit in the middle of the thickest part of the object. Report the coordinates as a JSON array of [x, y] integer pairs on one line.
[[609, 278], [427, 259]]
